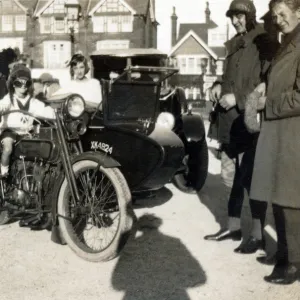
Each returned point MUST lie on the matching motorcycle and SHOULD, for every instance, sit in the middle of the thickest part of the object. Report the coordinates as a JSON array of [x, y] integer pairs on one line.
[[82, 198]]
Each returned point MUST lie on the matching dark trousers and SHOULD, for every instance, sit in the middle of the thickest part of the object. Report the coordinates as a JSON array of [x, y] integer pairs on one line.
[[287, 223], [242, 180]]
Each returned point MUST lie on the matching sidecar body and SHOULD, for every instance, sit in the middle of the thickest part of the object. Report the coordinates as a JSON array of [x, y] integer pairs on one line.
[[155, 139]]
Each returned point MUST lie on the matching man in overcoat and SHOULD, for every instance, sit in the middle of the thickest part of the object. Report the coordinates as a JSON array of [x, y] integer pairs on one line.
[[249, 54]]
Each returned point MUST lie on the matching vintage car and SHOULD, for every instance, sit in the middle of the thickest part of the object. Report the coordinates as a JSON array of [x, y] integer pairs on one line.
[[155, 137]]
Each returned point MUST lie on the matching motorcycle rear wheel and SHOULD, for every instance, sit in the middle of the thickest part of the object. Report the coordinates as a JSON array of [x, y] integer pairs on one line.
[[75, 232]]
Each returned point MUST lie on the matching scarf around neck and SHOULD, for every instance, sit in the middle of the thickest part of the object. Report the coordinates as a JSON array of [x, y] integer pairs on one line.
[[23, 103]]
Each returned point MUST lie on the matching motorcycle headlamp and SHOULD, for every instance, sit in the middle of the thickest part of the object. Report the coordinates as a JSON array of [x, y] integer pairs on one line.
[[75, 106], [166, 120]]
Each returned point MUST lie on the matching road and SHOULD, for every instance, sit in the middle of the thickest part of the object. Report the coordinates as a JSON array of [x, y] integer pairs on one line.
[[167, 259]]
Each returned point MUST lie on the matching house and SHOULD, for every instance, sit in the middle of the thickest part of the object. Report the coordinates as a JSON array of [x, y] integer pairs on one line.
[[199, 53], [50, 31]]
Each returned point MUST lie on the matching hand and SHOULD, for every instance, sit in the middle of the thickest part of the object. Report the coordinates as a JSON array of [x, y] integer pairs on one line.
[[228, 101], [261, 103], [215, 93], [261, 88]]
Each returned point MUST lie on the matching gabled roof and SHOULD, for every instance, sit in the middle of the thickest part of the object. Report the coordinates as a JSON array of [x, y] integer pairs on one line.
[[24, 8], [30, 4], [220, 51], [201, 29], [100, 2], [139, 6], [198, 39], [41, 6], [44, 4]]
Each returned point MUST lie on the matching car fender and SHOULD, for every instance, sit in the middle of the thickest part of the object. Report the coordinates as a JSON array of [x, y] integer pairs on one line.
[[193, 127], [104, 160]]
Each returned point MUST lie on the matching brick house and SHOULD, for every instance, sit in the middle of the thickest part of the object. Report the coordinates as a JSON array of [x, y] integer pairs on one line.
[[199, 53], [50, 33]]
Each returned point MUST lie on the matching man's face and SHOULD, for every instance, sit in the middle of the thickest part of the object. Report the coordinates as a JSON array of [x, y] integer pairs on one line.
[[284, 18], [238, 21]]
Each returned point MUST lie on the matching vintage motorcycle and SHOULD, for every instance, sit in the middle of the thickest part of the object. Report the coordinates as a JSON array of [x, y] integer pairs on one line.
[[84, 199]]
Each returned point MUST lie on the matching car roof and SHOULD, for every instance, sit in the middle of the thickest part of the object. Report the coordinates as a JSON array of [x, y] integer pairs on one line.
[[132, 52]]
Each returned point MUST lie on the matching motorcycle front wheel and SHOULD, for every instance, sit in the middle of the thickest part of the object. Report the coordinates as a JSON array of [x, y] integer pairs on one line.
[[98, 226]]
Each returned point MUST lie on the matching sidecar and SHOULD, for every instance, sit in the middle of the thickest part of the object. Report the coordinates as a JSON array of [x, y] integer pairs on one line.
[[155, 138]]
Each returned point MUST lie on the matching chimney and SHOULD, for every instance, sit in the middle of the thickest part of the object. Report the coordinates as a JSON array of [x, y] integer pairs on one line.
[[207, 13], [173, 27]]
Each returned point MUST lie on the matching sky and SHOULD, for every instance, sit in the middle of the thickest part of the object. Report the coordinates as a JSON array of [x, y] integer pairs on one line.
[[192, 11]]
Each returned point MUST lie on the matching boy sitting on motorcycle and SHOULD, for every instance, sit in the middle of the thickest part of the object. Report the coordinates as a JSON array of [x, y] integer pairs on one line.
[[15, 125]]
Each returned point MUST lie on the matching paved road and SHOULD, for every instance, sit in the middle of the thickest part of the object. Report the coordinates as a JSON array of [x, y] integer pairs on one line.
[[167, 259]]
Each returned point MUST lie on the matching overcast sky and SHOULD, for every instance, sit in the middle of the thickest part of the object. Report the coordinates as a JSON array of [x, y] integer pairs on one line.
[[192, 11]]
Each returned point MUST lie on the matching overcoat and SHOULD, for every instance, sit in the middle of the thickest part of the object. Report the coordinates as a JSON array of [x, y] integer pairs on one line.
[[248, 56], [276, 175]]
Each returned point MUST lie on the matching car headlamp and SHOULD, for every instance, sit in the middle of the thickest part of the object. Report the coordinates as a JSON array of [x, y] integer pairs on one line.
[[75, 106], [166, 120]]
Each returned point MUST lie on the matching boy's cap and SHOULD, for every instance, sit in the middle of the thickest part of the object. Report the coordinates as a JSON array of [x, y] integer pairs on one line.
[[20, 71]]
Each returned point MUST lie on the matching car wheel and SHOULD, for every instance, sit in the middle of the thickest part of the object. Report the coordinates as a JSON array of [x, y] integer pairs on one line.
[[196, 168]]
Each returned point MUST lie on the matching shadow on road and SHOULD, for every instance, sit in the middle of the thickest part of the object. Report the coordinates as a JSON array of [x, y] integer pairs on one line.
[[212, 196], [156, 266], [153, 199]]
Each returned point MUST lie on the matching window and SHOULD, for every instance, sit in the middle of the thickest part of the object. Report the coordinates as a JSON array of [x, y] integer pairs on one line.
[[11, 42], [46, 26], [113, 23], [56, 53], [113, 44], [126, 23], [20, 23], [7, 23], [60, 26], [99, 24], [191, 64], [112, 6]]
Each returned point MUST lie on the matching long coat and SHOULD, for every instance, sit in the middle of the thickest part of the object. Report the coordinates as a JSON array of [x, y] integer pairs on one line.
[[276, 175], [248, 57]]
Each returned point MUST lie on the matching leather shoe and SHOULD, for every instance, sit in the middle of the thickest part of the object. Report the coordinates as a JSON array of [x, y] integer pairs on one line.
[[283, 274], [267, 259], [250, 246], [224, 234]]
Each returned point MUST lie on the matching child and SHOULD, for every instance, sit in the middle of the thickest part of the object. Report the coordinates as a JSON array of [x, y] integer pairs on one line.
[[15, 125]]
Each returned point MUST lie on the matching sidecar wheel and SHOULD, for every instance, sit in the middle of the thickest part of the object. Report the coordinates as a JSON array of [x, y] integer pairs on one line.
[[196, 162], [104, 209]]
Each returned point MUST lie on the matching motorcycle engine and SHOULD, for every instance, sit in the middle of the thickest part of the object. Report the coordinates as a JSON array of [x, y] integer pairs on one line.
[[22, 191]]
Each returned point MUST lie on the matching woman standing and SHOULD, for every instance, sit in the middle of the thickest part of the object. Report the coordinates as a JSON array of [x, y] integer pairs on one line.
[[277, 161]]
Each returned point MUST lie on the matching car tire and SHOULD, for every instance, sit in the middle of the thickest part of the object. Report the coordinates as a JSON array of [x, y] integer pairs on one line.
[[197, 162]]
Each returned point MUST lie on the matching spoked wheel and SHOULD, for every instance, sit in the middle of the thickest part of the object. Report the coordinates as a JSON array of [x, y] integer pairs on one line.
[[98, 226], [4, 214], [196, 168]]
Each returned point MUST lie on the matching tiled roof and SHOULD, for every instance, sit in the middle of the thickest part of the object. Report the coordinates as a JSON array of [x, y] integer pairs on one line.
[[220, 51], [200, 29]]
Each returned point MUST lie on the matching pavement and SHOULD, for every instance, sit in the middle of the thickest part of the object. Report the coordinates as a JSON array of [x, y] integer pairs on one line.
[[166, 259]]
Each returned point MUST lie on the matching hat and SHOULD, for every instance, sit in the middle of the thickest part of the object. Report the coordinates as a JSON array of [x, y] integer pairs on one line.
[[19, 71], [46, 77], [242, 6]]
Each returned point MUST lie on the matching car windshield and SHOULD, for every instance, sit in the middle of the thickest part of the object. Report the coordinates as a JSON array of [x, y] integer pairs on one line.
[[131, 101]]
